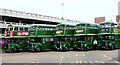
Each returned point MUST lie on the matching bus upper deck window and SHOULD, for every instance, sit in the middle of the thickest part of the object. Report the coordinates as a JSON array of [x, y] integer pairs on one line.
[[26, 29], [16, 29], [21, 29], [11, 29]]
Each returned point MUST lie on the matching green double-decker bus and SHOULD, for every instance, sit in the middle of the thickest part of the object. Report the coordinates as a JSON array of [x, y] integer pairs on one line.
[[85, 34], [41, 37], [15, 38], [63, 39], [109, 35]]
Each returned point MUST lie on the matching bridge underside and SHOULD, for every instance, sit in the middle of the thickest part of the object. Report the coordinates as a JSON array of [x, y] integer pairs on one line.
[[26, 21]]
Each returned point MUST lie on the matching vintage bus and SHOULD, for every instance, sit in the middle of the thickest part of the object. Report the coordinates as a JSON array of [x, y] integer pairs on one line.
[[64, 37], [109, 35], [15, 38], [85, 34], [41, 37]]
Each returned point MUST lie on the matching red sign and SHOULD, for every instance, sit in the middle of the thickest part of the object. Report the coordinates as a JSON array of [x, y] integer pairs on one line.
[[116, 30], [22, 33], [11, 33], [5, 34]]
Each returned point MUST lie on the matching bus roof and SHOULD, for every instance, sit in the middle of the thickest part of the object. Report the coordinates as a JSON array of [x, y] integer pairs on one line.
[[94, 24], [65, 24], [18, 26], [107, 22], [42, 25]]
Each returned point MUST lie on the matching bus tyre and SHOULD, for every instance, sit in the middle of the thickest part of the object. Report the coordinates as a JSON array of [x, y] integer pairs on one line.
[[38, 49], [14, 49], [6, 51], [88, 47], [112, 47], [66, 47]]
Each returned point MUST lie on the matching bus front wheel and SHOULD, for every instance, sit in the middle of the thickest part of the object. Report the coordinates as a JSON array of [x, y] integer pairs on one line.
[[112, 47], [38, 48], [14, 49]]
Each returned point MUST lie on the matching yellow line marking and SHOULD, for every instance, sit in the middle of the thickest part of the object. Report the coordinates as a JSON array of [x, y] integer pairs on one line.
[[110, 58], [96, 61], [76, 55], [61, 60], [80, 62], [90, 61], [62, 57], [105, 56], [102, 62], [76, 61], [83, 54], [116, 61], [86, 62]]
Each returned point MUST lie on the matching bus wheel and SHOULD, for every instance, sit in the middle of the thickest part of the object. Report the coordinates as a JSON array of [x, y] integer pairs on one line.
[[6, 51], [66, 47], [112, 46], [14, 49], [38, 48], [88, 47]]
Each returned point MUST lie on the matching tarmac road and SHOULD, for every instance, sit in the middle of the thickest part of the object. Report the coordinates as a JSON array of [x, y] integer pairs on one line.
[[94, 56]]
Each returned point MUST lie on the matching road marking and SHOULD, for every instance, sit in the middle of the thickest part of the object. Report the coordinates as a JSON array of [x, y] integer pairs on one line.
[[86, 62], [80, 62], [96, 61], [105, 56], [76, 55], [76, 61], [62, 57], [90, 62], [110, 58], [61, 60], [116, 61], [83, 54], [102, 62]]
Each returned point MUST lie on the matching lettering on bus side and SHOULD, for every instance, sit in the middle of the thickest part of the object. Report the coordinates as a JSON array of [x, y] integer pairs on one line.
[[116, 30], [79, 31], [22, 33], [58, 32]]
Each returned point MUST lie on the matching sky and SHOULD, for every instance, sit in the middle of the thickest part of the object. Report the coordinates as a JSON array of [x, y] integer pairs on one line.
[[80, 10]]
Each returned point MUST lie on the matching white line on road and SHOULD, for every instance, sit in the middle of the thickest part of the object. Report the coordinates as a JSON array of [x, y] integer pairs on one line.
[[80, 62], [105, 56], [76, 55], [62, 57], [83, 54], [90, 62], [76, 61], [110, 58], [86, 62], [102, 62], [61, 60], [116, 61], [96, 61]]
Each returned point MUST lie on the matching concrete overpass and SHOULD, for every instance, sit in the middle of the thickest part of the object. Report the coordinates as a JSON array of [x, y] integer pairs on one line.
[[23, 18]]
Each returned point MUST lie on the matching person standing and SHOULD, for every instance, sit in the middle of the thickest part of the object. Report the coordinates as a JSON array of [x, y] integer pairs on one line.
[[95, 44]]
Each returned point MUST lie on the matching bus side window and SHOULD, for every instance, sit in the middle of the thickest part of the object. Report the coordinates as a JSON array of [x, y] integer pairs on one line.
[[16, 29], [11, 29], [21, 29], [26, 29]]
